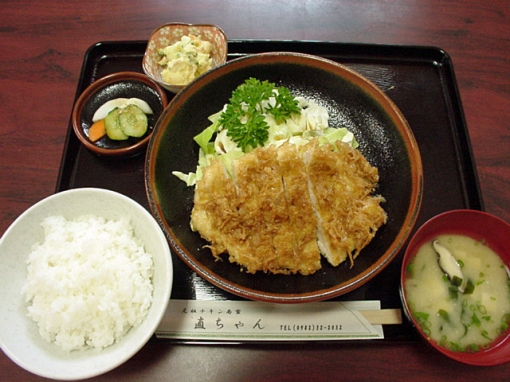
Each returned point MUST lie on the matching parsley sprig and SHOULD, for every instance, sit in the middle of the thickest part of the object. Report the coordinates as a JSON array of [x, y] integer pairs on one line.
[[244, 116]]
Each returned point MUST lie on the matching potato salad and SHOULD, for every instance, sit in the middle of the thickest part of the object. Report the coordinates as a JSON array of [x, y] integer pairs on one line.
[[185, 60]]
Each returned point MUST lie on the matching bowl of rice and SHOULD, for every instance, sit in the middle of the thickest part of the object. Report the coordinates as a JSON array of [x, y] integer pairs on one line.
[[85, 280]]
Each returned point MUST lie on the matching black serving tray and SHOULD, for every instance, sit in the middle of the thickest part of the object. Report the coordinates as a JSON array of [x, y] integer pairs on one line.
[[421, 82]]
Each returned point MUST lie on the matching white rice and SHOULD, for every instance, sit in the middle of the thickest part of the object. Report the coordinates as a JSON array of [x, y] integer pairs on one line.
[[89, 282]]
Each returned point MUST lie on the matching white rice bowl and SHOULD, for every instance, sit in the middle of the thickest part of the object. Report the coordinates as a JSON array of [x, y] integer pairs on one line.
[[19, 334]]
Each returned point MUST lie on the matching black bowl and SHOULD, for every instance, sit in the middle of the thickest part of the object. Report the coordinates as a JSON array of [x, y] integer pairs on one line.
[[352, 101], [117, 85]]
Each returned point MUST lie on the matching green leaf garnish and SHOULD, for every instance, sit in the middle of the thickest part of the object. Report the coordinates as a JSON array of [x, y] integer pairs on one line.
[[475, 320], [410, 269], [421, 316], [470, 287], [486, 335], [457, 281], [285, 106], [244, 116], [444, 315]]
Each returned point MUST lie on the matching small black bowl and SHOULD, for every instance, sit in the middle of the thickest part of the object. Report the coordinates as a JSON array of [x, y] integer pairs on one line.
[[117, 85]]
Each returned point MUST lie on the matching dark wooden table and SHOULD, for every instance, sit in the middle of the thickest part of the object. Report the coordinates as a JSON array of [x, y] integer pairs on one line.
[[42, 46]]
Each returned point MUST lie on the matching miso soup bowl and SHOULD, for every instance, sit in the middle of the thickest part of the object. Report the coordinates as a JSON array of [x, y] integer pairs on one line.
[[485, 228]]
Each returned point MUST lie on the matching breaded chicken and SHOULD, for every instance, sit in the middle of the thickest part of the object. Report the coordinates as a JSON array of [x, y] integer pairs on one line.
[[261, 203], [302, 219], [341, 183], [251, 218], [213, 214], [286, 205]]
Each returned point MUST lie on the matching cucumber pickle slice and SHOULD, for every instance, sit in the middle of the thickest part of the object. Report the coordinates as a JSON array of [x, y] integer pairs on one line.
[[122, 123], [133, 121], [112, 126]]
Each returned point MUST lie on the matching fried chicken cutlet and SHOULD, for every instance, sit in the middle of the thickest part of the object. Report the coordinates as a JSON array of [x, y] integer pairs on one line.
[[285, 206]]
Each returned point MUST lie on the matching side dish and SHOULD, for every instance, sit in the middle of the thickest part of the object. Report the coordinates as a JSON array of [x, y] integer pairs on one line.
[[120, 119], [185, 60], [88, 283], [276, 186], [461, 309]]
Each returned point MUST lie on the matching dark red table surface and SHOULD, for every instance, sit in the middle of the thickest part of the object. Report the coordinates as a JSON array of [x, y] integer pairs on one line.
[[42, 46]]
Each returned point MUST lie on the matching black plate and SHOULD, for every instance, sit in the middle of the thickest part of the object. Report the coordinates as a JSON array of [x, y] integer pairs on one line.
[[385, 140]]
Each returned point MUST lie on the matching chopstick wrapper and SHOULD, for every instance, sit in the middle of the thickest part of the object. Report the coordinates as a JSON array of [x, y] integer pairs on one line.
[[260, 321]]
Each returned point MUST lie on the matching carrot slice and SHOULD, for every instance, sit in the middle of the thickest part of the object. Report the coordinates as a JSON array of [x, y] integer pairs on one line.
[[97, 130]]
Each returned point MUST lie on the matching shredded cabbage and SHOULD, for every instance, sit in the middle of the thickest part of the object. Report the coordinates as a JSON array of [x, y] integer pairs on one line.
[[299, 129]]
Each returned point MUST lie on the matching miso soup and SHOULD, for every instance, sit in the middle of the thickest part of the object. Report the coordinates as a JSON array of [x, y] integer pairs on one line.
[[468, 321]]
